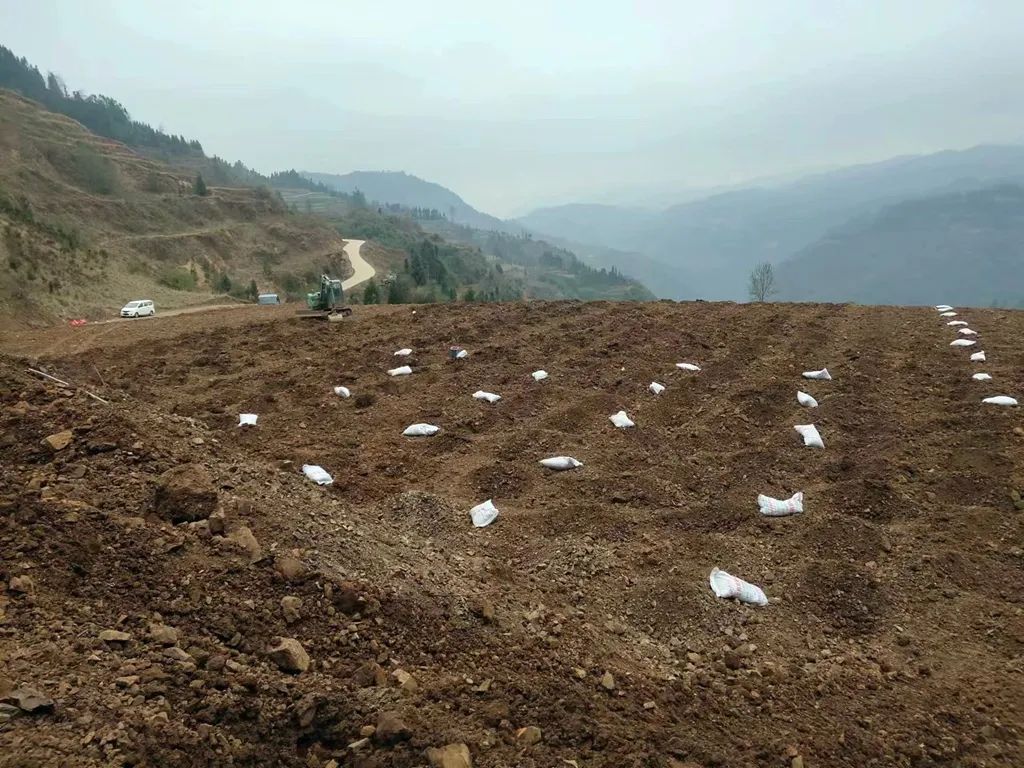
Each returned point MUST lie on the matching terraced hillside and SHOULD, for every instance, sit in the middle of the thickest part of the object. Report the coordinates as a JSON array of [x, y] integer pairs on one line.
[[577, 629]]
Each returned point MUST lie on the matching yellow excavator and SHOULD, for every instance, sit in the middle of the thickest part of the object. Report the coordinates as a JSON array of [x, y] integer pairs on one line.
[[326, 304]]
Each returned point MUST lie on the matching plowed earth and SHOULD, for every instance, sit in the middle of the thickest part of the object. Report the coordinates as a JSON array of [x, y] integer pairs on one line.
[[894, 635]]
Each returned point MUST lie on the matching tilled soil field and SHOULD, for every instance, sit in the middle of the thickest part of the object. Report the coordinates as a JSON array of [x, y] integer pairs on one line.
[[177, 593]]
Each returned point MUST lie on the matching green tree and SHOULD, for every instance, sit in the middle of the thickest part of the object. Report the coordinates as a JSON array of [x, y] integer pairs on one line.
[[254, 291], [469, 295], [223, 283], [398, 291], [199, 187], [359, 199], [371, 294]]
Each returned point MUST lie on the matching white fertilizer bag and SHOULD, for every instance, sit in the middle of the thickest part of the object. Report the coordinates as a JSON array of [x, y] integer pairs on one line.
[[484, 514], [794, 505], [342, 392], [948, 314], [404, 370], [822, 375], [943, 307], [1000, 400], [957, 322], [981, 377], [421, 430], [688, 367], [247, 419], [539, 375], [404, 352], [806, 400], [978, 357], [461, 354], [561, 463], [967, 332], [490, 397], [317, 474], [725, 585], [963, 343], [809, 432], [656, 388], [621, 420]]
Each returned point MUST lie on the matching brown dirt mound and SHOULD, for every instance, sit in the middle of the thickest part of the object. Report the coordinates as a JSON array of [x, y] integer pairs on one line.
[[895, 631]]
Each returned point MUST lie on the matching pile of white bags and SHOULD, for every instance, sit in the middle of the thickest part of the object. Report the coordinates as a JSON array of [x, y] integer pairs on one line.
[[342, 392], [809, 432], [490, 397], [656, 388], [483, 514], [403, 370], [687, 366], [539, 375], [247, 419], [822, 375], [421, 430], [1000, 400], [794, 505], [727, 586], [561, 463], [621, 420], [806, 400], [317, 474]]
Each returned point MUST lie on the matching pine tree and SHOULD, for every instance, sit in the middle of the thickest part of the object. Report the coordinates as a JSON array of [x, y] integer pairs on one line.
[[371, 294], [254, 291], [200, 186]]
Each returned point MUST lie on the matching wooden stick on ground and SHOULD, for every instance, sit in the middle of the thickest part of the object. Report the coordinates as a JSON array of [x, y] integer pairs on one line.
[[68, 384]]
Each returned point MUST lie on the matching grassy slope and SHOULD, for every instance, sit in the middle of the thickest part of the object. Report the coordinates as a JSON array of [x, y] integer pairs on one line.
[[107, 223]]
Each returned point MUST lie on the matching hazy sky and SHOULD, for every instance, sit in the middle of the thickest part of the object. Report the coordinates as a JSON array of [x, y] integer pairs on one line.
[[519, 104]]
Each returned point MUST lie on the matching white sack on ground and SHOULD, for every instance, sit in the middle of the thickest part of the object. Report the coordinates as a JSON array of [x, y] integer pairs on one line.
[[794, 505], [822, 375], [957, 322], [656, 388], [967, 332], [539, 375], [687, 366], [483, 514], [726, 585], [342, 392], [404, 370], [404, 352], [247, 419], [561, 463], [978, 357], [806, 400], [461, 354], [948, 314], [981, 377], [317, 474], [809, 432], [490, 397], [963, 343], [1000, 400], [621, 420], [943, 307], [421, 430]]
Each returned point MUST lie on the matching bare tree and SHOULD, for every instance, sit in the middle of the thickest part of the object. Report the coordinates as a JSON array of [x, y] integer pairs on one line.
[[762, 282]]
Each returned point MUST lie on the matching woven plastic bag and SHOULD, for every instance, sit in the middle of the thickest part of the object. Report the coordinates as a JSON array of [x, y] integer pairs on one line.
[[403, 370], [247, 419], [687, 367], [404, 352], [342, 392], [421, 430], [317, 474], [490, 397], [561, 463], [809, 433], [978, 357], [483, 514], [794, 505], [726, 585], [539, 375], [621, 420], [1000, 400], [656, 388], [822, 375], [962, 343], [981, 377], [806, 400]]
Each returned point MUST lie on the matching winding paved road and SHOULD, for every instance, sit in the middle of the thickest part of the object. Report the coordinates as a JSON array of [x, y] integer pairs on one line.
[[361, 269]]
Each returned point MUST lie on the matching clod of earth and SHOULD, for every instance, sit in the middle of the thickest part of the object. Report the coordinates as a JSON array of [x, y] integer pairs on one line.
[[185, 493], [450, 756], [391, 728], [529, 735]]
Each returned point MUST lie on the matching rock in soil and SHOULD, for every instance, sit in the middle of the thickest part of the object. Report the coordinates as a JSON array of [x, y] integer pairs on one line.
[[450, 756], [391, 728], [289, 655]]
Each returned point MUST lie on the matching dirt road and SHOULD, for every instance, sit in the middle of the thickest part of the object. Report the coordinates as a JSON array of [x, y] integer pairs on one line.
[[894, 636], [362, 270]]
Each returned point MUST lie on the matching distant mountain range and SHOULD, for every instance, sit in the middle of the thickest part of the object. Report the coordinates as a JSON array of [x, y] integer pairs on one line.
[[712, 243]]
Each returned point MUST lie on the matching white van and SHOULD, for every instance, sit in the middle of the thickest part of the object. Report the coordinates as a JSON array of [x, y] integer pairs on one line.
[[141, 308]]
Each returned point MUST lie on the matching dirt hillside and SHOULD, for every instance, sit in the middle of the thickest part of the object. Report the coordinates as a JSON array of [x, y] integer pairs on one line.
[[177, 593], [87, 224]]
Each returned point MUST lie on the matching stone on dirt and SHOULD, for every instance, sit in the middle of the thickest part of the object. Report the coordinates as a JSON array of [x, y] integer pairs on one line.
[[163, 634], [290, 567], [290, 656], [22, 584], [185, 493], [291, 608], [243, 538], [59, 440], [29, 700], [450, 756], [114, 636], [369, 674], [608, 681], [391, 729], [529, 735]]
